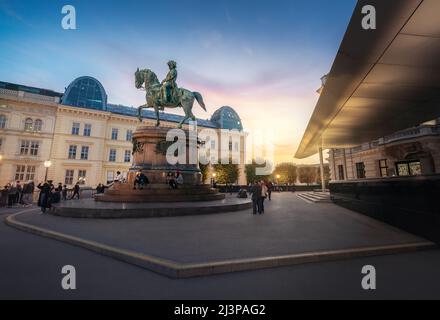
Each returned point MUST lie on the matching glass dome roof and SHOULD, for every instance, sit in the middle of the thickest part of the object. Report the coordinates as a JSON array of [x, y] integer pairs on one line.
[[227, 118], [85, 92]]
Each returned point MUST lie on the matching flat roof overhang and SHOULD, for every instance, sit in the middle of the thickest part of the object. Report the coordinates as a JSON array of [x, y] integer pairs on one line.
[[382, 80]]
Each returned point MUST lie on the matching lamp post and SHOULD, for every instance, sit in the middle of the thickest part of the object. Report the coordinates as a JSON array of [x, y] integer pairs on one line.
[[213, 179], [278, 182], [47, 165]]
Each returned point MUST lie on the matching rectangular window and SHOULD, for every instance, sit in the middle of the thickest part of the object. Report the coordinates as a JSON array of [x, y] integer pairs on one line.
[[112, 155], [411, 168], [25, 173], [84, 153], [24, 149], [360, 170], [82, 176], [129, 136], [20, 172], [87, 130], [29, 148], [2, 121], [383, 168], [35, 145], [75, 128], [69, 177], [213, 144], [115, 134], [110, 177], [1, 143], [127, 156], [341, 172], [72, 152]]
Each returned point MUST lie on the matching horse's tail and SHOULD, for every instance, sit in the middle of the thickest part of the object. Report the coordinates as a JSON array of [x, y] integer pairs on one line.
[[199, 99]]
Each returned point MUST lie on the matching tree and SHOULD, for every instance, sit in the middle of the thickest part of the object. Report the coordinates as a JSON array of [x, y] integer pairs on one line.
[[287, 173], [250, 171], [204, 171], [307, 175], [226, 173]]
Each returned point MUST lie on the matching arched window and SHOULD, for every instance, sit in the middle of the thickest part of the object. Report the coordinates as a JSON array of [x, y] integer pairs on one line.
[[2, 121], [28, 124], [38, 125]]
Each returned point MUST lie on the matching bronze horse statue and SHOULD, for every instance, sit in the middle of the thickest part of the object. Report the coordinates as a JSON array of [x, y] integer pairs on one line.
[[181, 97]]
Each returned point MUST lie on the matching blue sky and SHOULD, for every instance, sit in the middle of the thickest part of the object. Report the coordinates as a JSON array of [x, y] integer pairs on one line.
[[264, 58]]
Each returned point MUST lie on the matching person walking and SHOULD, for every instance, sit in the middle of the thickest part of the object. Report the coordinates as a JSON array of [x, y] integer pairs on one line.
[[264, 193], [269, 190], [75, 191], [256, 198]]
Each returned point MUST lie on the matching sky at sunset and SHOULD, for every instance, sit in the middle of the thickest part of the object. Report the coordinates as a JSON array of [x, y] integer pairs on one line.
[[263, 58]]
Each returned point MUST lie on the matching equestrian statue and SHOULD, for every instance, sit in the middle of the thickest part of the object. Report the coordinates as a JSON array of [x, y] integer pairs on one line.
[[166, 94]]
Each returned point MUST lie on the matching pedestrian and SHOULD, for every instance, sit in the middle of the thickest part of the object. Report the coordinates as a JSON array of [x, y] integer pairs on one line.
[[12, 195], [264, 193], [64, 192], [19, 193], [179, 179], [256, 198], [44, 200], [76, 190], [269, 190], [28, 193]]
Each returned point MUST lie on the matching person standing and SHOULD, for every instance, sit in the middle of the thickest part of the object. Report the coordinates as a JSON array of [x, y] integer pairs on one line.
[[64, 192], [256, 198], [44, 200]]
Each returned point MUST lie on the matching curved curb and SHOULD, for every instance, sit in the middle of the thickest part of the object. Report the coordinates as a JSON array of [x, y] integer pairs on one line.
[[180, 270]]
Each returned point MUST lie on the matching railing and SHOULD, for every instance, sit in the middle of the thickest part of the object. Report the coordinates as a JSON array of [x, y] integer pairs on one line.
[[29, 96]]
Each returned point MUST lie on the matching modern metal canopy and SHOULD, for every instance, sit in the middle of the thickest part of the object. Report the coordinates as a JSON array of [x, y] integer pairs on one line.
[[382, 80]]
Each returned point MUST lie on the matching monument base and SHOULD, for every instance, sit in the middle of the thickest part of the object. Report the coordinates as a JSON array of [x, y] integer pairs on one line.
[[123, 192], [149, 157]]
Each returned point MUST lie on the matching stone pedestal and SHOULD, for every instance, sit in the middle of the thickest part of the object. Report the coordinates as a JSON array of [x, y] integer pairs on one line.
[[151, 158]]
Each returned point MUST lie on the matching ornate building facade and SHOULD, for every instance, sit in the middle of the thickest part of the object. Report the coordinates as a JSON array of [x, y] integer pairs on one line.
[[77, 136], [411, 152]]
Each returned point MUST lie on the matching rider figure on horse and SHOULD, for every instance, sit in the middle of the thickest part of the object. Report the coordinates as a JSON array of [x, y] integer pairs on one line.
[[169, 85]]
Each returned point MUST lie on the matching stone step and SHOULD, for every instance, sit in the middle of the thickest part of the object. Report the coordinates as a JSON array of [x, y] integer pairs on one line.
[[315, 197], [159, 198], [165, 192]]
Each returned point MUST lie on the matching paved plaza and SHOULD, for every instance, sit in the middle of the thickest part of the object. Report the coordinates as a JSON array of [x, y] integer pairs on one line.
[[290, 226], [31, 265]]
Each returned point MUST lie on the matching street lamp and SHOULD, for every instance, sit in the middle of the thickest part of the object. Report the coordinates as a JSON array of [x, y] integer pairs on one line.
[[213, 179], [278, 182], [47, 165]]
